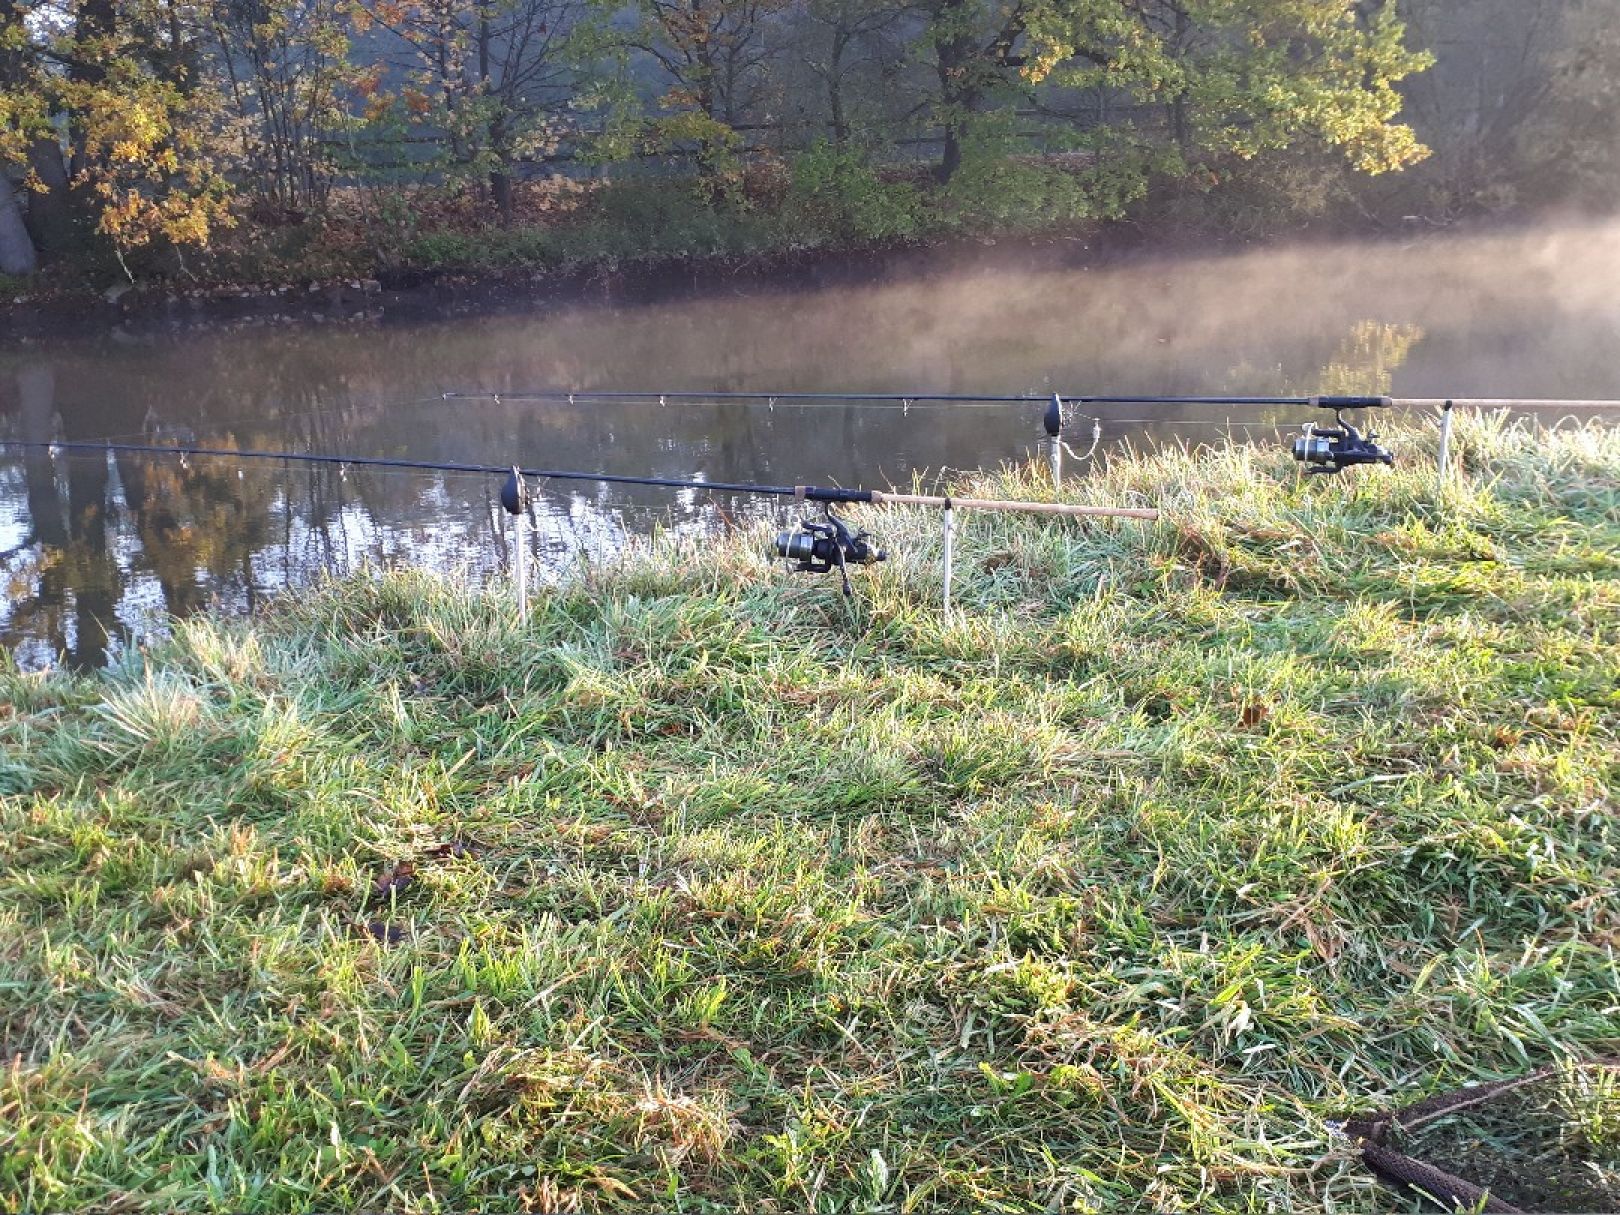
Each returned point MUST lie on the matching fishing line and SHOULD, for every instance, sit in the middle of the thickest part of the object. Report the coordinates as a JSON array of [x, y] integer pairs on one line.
[[1096, 439], [769, 401], [1220, 422], [383, 462], [320, 411]]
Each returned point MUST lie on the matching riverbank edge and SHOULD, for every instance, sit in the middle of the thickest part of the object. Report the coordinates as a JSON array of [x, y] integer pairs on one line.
[[413, 294], [1176, 840]]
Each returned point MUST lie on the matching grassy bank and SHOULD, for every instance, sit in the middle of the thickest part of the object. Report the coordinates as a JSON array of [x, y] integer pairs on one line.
[[705, 892]]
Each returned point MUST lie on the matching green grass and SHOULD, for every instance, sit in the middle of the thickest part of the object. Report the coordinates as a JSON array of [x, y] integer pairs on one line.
[[1104, 895]]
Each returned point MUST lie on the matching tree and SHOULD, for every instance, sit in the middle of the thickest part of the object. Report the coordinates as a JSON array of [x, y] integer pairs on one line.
[[1230, 78], [526, 78], [710, 56], [849, 34], [285, 64], [710, 48], [1571, 146], [126, 84], [975, 61], [1493, 78], [145, 159], [493, 75]]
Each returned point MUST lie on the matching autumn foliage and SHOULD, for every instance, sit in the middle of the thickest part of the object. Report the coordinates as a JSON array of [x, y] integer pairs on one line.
[[151, 126]]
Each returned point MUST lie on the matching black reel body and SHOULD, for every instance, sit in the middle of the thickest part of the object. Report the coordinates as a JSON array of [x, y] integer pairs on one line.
[[1329, 450], [821, 547]]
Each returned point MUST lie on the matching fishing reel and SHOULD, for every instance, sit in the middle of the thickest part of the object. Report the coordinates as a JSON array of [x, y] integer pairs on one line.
[[822, 547], [1329, 450]]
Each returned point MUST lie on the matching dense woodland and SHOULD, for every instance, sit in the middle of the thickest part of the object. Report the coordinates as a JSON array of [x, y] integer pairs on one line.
[[266, 139]]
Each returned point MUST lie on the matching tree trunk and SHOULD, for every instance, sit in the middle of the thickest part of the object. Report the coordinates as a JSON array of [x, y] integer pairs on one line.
[[52, 218], [950, 159], [959, 104], [1179, 127], [835, 83], [17, 254], [500, 182], [500, 190], [958, 88], [835, 86]]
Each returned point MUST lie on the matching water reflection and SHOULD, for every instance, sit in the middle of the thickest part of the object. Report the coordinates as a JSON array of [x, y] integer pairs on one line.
[[95, 549]]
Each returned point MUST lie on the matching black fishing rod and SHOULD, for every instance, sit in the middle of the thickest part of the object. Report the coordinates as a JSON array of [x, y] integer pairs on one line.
[[816, 547], [904, 398], [1325, 450], [1064, 409], [1064, 399], [804, 493]]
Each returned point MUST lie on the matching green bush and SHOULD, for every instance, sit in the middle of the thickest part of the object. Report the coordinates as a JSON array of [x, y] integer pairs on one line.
[[1008, 184], [491, 248], [663, 217], [623, 220], [837, 194], [1273, 193]]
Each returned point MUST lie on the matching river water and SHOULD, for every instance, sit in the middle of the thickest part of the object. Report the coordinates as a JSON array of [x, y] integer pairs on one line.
[[99, 551]]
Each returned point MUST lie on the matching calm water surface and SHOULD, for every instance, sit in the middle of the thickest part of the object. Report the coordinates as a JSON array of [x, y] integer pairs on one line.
[[98, 551]]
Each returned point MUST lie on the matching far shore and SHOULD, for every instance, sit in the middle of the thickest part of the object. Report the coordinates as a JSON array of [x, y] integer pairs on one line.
[[413, 294]]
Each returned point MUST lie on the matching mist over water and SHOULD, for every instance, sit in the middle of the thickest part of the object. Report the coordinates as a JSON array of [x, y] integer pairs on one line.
[[93, 548]]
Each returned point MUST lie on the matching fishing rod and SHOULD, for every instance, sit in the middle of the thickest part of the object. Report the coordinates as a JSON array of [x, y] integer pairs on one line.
[[1066, 410], [573, 396], [1324, 454], [803, 493], [816, 547], [1326, 450], [1064, 399]]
